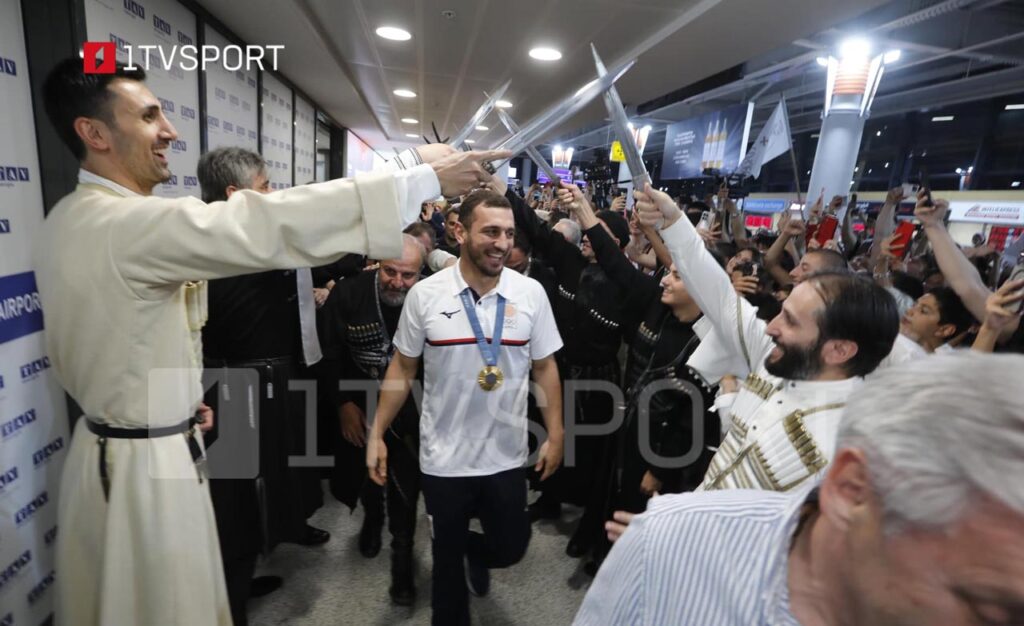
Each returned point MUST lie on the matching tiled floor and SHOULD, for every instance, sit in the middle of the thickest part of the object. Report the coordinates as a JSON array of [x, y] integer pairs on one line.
[[334, 585]]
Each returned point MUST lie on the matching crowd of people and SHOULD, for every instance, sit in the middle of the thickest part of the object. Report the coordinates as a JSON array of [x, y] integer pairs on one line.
[[772, 427]]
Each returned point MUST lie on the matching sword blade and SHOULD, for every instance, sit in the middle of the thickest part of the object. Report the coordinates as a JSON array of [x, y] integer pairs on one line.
[[481, 113], [531, 151], [620, 123], [540, 125]]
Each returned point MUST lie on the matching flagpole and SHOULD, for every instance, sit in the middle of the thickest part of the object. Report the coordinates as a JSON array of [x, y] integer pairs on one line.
[[796, 173]]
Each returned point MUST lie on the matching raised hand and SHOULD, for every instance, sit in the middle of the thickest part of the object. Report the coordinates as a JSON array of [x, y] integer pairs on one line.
[[655, 209], [894, 195], [460, 172], [930, 216]]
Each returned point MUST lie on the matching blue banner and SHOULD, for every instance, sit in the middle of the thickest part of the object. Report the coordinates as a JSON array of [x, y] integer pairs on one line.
[[711, 141], [20, 310]]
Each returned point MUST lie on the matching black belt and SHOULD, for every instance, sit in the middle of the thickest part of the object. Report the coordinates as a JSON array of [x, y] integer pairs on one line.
[[105, 431]]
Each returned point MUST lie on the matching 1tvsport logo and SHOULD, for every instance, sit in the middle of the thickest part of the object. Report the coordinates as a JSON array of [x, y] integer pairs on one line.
[[100, 57]]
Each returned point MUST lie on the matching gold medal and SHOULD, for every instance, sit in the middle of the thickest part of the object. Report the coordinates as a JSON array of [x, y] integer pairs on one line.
[[490, 378]]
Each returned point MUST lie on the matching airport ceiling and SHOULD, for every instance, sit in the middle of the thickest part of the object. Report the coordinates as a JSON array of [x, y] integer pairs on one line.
[[693, 56]]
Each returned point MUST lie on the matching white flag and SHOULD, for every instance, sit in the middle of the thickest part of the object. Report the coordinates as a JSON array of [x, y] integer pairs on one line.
[[772, 141]]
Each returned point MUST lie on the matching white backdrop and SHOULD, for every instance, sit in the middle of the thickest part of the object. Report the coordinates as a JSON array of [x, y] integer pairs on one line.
[[33, 417], [305, 140], [277, 131], [231, 102], [178, 90]]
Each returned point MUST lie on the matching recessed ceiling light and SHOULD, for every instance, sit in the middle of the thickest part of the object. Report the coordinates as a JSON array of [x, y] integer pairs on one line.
[[470, 141], [545, 54], [1014, 107], [394, 33], [503, 104], [413, 135], [942, 118], [404, 93], [1015, 183], [482, 128], [410, 120]]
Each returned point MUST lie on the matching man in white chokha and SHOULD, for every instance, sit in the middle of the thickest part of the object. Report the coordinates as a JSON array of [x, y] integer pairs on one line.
[[115, 267]]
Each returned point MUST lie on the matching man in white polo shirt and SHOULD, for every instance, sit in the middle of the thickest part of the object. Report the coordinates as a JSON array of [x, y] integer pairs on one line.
[[473, 426]]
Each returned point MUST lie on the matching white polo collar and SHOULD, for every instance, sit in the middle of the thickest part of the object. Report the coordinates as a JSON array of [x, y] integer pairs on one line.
[[459, 283]]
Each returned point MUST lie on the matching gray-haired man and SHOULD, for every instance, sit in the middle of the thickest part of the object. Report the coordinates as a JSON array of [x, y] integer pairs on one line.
[[918, 521], [255, 323]]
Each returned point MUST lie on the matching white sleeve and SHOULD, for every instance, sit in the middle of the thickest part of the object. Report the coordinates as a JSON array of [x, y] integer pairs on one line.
[[734, 319], [159, 241], [438, 259], [416, 183], [411, 334], [544, 337]]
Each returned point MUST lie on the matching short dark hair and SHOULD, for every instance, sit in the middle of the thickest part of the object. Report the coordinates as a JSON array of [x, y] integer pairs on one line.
[[952, 309], [617, 224], [833, 260], [859, 310], [907, 284], [69, 93], [522, 241], [225, 167], [421, 228], [480, 197]]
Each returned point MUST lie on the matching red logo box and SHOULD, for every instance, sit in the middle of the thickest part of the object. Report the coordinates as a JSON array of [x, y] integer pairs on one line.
[[99, 57]]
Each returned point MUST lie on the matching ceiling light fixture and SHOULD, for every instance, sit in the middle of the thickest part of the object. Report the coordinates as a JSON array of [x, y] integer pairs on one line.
[[942, 118], [503, 104], [482, 128], [393, 33], [470, 141], [404, 93], [822, 61], [855, 47], [412, 135], [410, 120], [1014, 107], [545, 54]]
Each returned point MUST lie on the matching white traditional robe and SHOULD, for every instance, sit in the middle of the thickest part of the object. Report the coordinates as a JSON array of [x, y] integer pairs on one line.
[[781, 432], [120, 280]]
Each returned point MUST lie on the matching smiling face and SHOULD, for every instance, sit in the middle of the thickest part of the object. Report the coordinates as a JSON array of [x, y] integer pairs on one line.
[[673, 290], [450, 226], [140, 134], [489, 239], [797, 351]]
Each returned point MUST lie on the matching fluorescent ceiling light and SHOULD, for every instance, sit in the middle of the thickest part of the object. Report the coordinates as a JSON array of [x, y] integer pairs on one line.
[[942, 118], [482, 128], [503, 104], [1014, 107], [1015, 183], [413, 135], [393, 33], [410, 120], [545, 54], [470, 141], [404, 93]]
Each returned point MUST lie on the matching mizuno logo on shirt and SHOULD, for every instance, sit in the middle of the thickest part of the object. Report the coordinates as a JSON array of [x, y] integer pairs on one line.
[[449, 315]]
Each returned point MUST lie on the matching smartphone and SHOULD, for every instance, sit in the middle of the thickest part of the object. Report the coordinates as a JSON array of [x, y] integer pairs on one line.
[[826, 229], [910, 190], [706, 220], [1016, 274], [904, 231]]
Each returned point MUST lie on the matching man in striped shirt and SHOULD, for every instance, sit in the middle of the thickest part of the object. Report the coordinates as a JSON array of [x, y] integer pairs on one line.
[[799, 369], [917, 521]]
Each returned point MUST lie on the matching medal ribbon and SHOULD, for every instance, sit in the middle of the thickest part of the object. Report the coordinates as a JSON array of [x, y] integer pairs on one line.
[[490, 351]]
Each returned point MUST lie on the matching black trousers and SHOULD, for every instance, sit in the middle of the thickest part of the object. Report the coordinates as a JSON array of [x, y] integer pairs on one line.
[[403, 490], [499, 501]]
